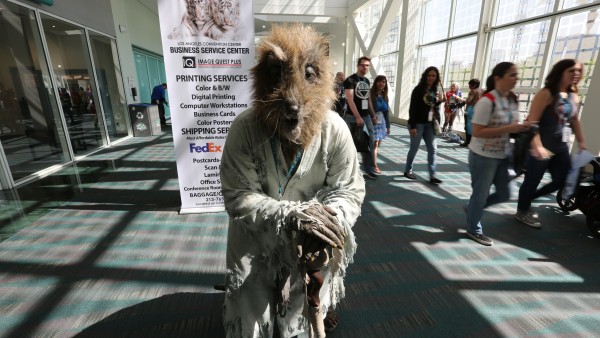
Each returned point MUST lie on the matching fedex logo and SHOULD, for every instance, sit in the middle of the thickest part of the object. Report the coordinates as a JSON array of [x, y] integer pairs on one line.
[[208, 148]]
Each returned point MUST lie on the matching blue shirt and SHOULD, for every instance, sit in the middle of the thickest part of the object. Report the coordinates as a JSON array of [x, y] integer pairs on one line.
[[158, 93]]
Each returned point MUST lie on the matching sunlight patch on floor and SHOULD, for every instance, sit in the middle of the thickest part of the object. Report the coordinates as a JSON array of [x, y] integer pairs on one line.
[[501, 263]]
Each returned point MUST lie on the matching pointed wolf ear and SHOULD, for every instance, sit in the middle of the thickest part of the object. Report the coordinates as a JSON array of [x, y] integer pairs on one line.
[[275, 53]]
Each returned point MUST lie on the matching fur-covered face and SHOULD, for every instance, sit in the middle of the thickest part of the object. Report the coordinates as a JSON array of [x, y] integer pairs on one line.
[[293, 85]]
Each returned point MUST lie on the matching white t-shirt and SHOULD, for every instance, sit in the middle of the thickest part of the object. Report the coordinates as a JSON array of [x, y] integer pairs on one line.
[[506, 111]]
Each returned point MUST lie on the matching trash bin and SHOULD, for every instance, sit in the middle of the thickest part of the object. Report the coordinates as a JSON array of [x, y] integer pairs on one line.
[[144, 119]]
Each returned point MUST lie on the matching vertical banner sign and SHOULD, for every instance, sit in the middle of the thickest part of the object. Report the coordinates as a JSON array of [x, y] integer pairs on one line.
[[208, 47]]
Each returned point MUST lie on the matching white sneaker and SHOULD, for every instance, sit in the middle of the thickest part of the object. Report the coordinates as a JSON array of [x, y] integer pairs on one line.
[[530, 218]]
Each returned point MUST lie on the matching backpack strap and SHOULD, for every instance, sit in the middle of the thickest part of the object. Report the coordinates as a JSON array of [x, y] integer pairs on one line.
[[492, 98]]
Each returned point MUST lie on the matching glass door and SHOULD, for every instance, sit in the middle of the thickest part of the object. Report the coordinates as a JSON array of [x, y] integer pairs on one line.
[[110, 86], [72, 68], [31, 129]]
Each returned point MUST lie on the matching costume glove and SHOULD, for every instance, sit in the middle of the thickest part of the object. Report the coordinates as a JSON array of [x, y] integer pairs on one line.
[[319, 221]]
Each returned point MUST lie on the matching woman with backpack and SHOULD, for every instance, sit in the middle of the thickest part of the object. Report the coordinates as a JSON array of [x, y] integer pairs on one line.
[[555, 109], [496, 116]]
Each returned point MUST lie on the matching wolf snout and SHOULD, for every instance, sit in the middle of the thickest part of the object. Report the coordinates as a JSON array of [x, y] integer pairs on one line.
[[292, 111]]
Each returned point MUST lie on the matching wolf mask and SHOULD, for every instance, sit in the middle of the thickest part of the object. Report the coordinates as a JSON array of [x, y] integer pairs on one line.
[[293, 83]]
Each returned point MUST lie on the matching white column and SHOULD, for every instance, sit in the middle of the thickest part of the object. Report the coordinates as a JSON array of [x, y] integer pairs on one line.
[[124, 47], [407, 57]]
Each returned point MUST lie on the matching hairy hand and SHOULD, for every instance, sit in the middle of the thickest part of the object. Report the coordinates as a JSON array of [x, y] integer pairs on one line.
[[318, 221], [312, 252]]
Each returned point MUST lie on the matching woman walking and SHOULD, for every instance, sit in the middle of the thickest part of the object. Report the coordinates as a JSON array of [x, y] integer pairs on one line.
[[380, 102], [554, 109], [423, 112], [496, 116]]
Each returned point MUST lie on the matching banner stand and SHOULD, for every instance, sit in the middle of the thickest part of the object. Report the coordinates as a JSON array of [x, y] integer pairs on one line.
[[207, 62]]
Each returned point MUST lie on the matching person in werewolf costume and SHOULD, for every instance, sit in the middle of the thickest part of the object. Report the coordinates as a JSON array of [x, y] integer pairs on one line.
[[293, 191]]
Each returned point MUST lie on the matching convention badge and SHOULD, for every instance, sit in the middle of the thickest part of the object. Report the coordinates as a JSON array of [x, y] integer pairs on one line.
[[566, 133], [430, 116], [365, 104], [508, 149]]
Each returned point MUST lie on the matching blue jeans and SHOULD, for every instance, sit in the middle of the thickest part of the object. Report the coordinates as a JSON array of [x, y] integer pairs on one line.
[[485, 171], [558, 166], [368, 161], [425, 132]]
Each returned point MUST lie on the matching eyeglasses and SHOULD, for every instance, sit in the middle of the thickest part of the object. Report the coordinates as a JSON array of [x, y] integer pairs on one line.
[[364, 65]]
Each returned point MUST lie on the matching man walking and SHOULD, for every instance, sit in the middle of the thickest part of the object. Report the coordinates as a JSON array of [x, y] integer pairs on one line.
[[158, 97], [357, 87]]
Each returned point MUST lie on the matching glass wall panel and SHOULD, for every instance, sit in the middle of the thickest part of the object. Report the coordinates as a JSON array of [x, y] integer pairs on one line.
[[110, 86], [163, 78], [437, 19], [373, 20], [392, 38], [523, 45], [150, 70], [575, 3], [72, 69], [515, 10], [31, 128], [368, 19], [466, 19], [389, 65], [578, 38], [460, 66], [144, 85], [433, 55]]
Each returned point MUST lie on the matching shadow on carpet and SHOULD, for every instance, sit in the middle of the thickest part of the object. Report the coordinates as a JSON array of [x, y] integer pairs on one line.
[[176, 315]]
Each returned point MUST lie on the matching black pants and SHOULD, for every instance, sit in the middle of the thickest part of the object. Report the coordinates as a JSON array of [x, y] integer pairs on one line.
[[161, 113]]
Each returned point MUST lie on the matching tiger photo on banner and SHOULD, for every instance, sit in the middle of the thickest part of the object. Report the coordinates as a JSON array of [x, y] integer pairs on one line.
[[215, 19]]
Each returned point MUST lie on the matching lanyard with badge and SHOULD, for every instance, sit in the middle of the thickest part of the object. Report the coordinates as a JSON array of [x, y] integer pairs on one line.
[[432, 99], [567, 108], [508, 148]]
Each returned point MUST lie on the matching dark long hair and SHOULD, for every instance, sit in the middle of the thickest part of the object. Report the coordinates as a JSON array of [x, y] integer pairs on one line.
[[499, 70], [423, 81], [384, 93], [552, 82]]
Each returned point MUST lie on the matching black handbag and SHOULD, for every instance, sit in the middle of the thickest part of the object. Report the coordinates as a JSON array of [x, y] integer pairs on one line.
[[521, 149], [361, 139]]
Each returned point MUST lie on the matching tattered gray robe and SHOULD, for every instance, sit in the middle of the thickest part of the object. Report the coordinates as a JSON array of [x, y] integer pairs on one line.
[[259, 245]]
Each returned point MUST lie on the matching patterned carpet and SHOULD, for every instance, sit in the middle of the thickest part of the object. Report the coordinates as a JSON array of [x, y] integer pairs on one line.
[[99, 250]]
